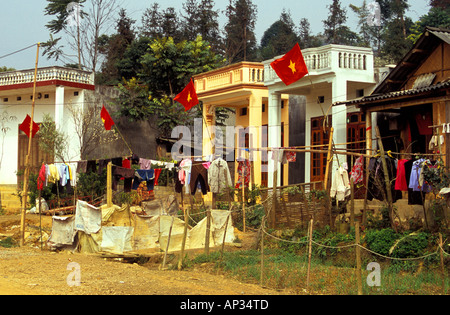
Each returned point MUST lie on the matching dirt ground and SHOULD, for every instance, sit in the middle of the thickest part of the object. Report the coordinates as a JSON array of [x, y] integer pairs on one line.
[[27, 271]]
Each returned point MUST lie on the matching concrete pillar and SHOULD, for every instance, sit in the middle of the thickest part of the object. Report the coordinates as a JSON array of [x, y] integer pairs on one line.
[[339, 117], [274, 131], [255, 132], [59, 108]]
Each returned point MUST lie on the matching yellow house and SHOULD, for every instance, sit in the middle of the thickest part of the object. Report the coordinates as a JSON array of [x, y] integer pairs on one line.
[[241, 87]]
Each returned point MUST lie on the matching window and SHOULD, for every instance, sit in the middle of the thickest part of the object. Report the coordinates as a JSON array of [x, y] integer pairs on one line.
[[19, 98], [243, 111], [319, 137], [5, 99], [360, 93], [320, 99]]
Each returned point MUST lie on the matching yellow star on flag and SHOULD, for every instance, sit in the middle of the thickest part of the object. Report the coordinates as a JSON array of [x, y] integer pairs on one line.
[[189, 98], [292, 67]]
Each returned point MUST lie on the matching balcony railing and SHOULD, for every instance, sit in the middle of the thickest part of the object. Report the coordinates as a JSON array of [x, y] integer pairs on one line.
[[233, 75], [46, 74], [329, 58]]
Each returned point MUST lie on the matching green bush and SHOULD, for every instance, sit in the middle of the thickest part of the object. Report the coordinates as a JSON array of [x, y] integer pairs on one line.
[[381, 241]]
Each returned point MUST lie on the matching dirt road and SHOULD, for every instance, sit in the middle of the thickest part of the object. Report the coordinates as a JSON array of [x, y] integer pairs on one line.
[[32, 271], [26, 270]]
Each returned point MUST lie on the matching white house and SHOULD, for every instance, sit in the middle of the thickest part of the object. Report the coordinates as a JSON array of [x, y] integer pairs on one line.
[[336, 73], [56, 88]]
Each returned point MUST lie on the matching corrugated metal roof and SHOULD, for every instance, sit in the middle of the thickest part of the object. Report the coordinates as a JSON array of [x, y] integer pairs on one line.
[[377, 97]]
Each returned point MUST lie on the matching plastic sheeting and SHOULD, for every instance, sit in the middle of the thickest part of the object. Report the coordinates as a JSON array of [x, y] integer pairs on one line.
[[121, 231]]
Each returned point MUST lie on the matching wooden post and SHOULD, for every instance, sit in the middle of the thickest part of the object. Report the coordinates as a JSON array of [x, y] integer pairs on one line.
[[352, 203], [243, 199], [329, 155], [358, 258], [168, 242], [183, 243], [40, 216], [261, 277], [274, 197], [27, 157], [386, 179], [442, 263], [310, 230], [208, 230], [327, 171], [109, 185], [224, 235]]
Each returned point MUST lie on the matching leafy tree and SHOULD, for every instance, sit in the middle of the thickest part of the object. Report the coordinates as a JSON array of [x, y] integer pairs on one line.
[[279, 38], [335, 21], [114, 48], [4, 69], [151, 22], [167, 68], [240, 39], [52, 140], [306, 39], [436, 17]]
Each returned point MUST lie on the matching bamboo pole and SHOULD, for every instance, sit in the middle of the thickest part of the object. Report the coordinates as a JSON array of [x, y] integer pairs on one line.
[[329, 155], [358, 258], [352, 203], [274, 198], [109, 185], [224, 235], [261, 276], [243, 199], [386, 179], [310, 230], [183, 243], [27, 158]]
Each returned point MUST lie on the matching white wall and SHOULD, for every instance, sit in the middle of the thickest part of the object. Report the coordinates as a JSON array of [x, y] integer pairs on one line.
[[20, 109]]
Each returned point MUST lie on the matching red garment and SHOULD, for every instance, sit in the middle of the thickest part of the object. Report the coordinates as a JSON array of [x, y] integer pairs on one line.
[[41, 178], [157, 172], [244, 168], [400, 182], [357, 173]]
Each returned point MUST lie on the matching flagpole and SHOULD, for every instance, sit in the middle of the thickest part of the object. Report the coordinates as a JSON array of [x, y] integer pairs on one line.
[[27, 158], [131, 151]]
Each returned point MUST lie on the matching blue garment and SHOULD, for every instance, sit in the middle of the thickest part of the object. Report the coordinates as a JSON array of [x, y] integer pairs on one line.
[[415, 175], [147, 175]]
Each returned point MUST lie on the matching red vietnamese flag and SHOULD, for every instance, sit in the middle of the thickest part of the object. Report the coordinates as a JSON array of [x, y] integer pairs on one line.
[[188, 97], [107, 120], [291, 67], [25, 127]]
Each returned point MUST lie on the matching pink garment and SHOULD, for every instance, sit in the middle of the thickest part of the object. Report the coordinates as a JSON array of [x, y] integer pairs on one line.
[[400, 182], [145, 164], [357, 172], [206, 164]]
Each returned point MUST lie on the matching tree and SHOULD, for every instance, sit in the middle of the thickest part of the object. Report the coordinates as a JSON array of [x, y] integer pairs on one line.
[[436, 17], [335, 21], [306, 39], [279, 38], [52, 140], [167, 68], [208, 24], [151, 22], [114, 48], [240, 40], [83, 23]]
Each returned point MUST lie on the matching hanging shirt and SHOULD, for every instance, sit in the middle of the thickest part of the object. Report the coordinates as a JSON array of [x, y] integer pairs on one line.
[[41, 178], [415, 175], [219, 177], [340, 186], [53, 174]]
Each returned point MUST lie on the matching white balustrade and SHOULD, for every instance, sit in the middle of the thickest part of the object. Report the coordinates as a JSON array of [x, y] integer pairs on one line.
[[46, 74]]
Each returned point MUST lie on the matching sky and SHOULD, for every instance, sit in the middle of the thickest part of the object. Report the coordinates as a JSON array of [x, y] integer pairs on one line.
[[22, 22]]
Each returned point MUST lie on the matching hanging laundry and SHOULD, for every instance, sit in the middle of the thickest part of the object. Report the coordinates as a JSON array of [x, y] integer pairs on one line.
[[243, 170], [357, 173], [290, 156], [144, 175], [415, 181], [127, 174], [199, 176], [41, 178], [340, 185], [219, 177], [400, 181], [377, 184], [102, 164], [157, 173], [145, 164], [53, 174]]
